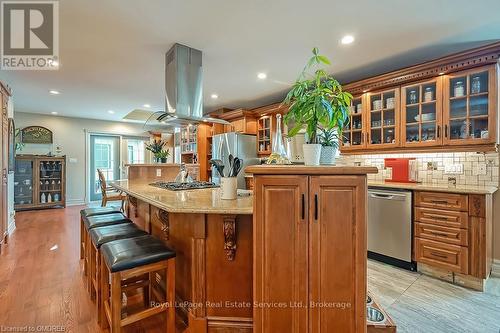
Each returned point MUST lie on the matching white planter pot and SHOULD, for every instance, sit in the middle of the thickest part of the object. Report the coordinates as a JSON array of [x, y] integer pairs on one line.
[[312, 153], [328, 155]]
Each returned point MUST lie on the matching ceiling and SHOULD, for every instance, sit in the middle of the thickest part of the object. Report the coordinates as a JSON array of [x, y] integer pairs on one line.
[[112, 52]]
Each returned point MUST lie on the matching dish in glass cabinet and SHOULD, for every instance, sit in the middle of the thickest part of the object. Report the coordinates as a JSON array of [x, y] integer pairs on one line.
[[426, 117]]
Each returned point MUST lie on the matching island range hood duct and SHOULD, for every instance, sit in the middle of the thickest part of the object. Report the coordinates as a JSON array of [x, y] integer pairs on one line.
[[183, 90]]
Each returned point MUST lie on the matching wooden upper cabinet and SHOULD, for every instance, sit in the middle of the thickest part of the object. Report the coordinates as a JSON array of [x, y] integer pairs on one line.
[[421, 114], [264, 134], [470, 106], [383, 119], [354, 136], [281, 254]]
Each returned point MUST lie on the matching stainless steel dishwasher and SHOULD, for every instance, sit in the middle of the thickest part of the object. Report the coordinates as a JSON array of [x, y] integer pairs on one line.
[[390, 226]]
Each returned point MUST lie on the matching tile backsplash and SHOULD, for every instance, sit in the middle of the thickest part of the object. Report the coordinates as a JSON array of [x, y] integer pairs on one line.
[[431, 167]]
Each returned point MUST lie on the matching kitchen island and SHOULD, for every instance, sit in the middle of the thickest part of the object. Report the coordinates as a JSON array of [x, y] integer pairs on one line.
[[248, 265], [213, 241]]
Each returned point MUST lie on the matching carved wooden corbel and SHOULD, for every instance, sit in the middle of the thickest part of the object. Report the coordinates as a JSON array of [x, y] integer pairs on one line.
[[165, 225], [133, 203], [229, 224]]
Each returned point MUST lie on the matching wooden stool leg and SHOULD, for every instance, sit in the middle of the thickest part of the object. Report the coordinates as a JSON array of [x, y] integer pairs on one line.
[[92, 269], [116, 302], [146, 291], [104, 294], [98, 292], [170, 295], [82, 230]]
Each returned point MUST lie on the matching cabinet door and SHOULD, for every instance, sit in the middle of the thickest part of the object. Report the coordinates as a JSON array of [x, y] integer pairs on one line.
[[264, 130], [383, 119], [5, 171], [470, 104], [354, 136], [337, 241], [421, 114], [280, 254]]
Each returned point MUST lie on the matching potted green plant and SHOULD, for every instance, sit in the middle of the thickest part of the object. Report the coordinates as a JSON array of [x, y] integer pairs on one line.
[[163, 155], [316, 100], [155, 147], [329, 144]]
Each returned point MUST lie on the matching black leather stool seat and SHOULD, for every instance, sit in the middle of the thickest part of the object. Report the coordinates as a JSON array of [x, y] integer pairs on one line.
[[110, 233], [104, 220], [98, 211], [134, 252]]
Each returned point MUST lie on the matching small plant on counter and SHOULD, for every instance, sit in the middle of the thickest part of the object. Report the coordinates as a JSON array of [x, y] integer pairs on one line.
[[163, 155], [316, 100], [329, 141], [155, 147]]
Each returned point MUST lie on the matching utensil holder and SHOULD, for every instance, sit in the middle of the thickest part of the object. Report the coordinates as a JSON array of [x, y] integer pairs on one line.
[[228, 188]]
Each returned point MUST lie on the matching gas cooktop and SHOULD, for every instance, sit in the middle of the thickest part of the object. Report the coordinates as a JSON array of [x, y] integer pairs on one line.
[[173, 186]]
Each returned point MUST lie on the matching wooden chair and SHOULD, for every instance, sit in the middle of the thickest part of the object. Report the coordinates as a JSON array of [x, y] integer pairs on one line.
[[109, 193]]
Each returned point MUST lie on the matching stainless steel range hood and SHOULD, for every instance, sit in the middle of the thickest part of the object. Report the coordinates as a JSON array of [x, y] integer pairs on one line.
[[183, 90]]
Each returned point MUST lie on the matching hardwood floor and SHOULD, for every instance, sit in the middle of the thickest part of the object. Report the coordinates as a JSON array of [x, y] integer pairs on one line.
[[40, 276], [41, 284]]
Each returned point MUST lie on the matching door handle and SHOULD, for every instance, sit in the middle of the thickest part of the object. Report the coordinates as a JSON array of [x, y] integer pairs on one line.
[[303, 206], [316, 207], [446, 131], [439, 131]]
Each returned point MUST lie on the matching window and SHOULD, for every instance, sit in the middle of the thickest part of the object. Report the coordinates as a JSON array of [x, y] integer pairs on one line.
[[136, 151], [102, 156]]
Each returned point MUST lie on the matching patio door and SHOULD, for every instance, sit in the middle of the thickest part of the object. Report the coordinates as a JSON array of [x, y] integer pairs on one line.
[[105, 156]]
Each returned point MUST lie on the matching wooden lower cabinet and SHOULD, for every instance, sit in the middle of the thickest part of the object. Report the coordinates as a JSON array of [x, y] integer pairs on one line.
[[453, 232], [310, 253]]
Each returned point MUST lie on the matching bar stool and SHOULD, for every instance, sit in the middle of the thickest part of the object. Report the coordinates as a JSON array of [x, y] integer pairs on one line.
[[98, 237], [132, 257], [96, 222], [87, 212]]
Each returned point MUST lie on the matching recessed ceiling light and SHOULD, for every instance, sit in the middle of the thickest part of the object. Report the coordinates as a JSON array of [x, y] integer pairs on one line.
[[147, 105], [111, 111], [347, 39], [54, 92], [53, 112], [214, 96], [262, 76]]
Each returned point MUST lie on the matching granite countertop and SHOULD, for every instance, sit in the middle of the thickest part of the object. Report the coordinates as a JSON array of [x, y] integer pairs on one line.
[[466, 189], [204, 201], [158, 165]]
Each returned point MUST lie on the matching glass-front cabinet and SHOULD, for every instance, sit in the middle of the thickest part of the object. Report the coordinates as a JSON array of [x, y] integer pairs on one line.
[[39, 182], [264, 134], [469, 107], [383, 119], [354, 136], [421, 114], [23, 183]]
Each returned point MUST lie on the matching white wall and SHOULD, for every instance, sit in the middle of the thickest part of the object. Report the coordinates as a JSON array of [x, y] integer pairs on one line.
[[70, 135]]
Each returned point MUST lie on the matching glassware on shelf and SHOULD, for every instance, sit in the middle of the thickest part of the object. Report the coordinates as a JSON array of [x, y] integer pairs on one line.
[[428, 94], [459, 89], [413, 96], [475, 85], [278, 152]]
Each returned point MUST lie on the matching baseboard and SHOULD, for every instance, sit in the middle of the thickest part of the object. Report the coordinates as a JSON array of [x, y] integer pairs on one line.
[[495, 268], [75, 202], [11, 227]]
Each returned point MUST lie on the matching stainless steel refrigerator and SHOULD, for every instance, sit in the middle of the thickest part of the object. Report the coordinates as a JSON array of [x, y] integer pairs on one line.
[[243, 146]]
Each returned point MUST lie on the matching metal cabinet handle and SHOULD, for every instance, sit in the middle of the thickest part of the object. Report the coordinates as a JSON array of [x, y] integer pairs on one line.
[[303, 206], [440, 202], [439, 255], [446, 131], [439, 131], [438, 217], [438, 234], [316, 207]]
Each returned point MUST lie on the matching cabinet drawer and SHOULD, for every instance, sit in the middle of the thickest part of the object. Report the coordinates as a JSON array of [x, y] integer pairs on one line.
[[450, 257], [449, 201], [439, 233], [440, 217]]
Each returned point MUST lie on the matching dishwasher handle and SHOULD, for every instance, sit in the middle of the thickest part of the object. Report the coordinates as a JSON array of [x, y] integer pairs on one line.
[[387, 196]]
